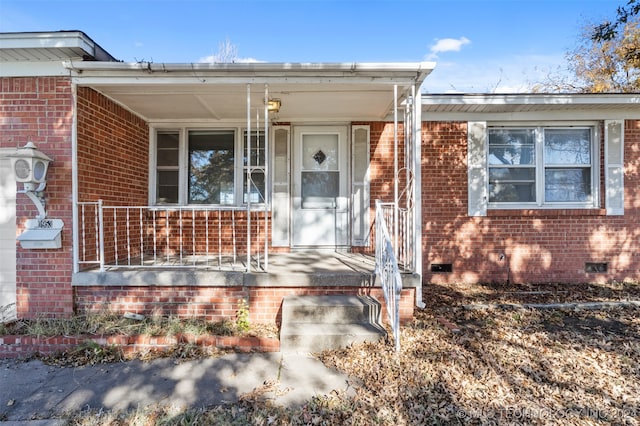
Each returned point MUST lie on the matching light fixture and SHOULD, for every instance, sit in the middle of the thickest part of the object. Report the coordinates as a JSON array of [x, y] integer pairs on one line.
[[30, 168], [274, 105]]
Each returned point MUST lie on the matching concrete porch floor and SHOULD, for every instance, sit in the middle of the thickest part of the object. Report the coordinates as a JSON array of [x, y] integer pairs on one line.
[[317, 261], [297, 268], [296, 261]]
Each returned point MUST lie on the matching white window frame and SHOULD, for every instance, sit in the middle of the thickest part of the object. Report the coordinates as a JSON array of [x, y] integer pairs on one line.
[[254, 167], [540, 166], [183, 163]]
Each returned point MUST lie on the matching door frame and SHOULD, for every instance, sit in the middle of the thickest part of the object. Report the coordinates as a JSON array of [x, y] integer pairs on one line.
[[341, 214]]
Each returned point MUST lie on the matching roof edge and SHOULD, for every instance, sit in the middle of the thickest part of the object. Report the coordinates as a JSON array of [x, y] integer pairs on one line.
[[414, 71], [55, 40], [530, 98]]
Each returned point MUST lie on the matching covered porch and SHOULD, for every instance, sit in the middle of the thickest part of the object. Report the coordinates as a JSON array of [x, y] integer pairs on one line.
[[241, 178]]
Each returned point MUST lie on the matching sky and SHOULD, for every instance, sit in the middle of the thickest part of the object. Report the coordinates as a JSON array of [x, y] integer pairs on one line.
[[483, 46]]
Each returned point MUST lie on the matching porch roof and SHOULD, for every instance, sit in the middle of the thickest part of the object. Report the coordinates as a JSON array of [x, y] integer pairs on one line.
[[310, 92]]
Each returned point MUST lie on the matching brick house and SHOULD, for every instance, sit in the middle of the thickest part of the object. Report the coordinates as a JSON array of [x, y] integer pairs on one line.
[[186, 187]]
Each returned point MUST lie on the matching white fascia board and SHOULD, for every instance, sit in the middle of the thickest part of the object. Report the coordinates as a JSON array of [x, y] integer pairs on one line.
[[33, 69], [386, 73], [531, 99]]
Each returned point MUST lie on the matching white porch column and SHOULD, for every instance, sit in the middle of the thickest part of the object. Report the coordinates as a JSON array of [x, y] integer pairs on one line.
[[395, 169], [417, 192], [248, 178], [266, 178]]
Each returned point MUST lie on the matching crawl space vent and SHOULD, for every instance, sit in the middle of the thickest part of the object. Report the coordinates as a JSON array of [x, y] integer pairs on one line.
[[441, 267], [595, 267]]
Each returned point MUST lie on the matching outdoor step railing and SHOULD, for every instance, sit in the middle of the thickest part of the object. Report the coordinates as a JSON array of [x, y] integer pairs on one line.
[[387, 269], [403, 237], [169, 236]]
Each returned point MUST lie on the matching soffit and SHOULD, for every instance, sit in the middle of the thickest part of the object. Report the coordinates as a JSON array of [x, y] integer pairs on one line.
[[229, 101]]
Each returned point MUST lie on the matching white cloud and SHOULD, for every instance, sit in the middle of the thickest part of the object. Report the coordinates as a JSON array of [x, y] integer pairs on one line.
[[447, 45]]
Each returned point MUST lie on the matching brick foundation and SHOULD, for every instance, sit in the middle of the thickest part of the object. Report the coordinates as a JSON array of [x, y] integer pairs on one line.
[[215, 303], [26, 346]]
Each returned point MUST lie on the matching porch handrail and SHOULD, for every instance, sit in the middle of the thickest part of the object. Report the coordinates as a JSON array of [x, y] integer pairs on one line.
[[400, 231], [163, 236], [388, 271]]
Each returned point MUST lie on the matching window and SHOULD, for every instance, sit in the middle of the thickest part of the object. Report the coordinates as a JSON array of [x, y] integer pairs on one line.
[[512, 165], [541, 166], [211, 161], [167, 169], [545, 166], [201, 167], [257, 168]]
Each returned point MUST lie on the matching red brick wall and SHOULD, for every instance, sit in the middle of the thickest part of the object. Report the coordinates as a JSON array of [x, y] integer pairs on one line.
[[40, 109], [540, 246], [215, 303], [19, 346], [113, 152], [382, 159], [113, 159], [381, 170]]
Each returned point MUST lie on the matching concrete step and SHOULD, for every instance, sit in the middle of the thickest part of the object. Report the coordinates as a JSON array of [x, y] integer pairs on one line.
[[308, 337], [317, 323], [338, 309]]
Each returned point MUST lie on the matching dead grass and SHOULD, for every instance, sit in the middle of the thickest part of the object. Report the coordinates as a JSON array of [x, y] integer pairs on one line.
[[503, 366], [109, 323]]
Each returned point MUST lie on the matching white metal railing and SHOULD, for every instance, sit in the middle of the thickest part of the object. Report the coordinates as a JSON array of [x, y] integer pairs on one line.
[[169, 236], [401, 233], [387, 269]]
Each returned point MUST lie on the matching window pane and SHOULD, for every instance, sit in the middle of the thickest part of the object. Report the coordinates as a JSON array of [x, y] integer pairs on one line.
[[522, 192], [167, 149], [257, 188], [320, 190], [257, 149], [320, 152], [567, 146], [567, 185], [211, 164], [257, 166], [512, 146], [167, 187], [512, 184], [512, 174]]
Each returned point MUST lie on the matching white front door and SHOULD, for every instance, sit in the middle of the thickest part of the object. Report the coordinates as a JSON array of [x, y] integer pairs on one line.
[[319, 207], [7, 238]]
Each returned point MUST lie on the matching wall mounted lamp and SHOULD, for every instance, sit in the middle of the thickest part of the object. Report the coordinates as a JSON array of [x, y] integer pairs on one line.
[[30, 168], [274, 105]]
